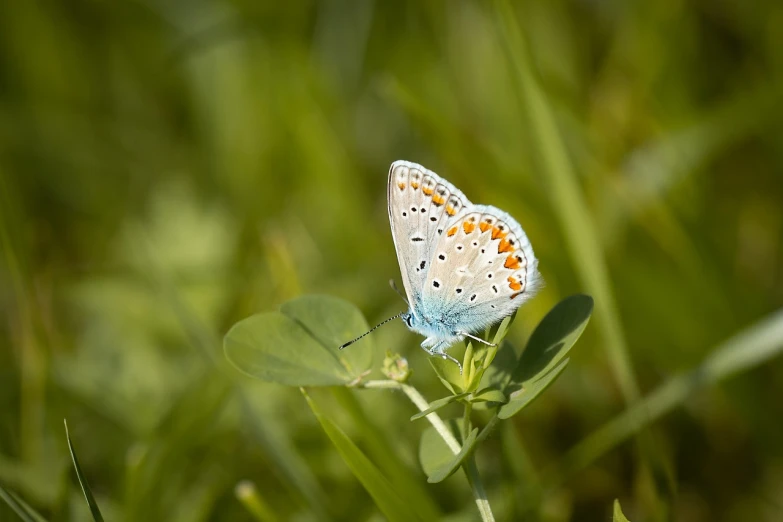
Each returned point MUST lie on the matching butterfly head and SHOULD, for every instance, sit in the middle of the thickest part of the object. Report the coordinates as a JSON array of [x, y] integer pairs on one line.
[[408, 318]]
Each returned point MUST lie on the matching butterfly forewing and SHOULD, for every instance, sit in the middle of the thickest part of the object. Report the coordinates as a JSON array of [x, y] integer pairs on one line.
[[422, 208]]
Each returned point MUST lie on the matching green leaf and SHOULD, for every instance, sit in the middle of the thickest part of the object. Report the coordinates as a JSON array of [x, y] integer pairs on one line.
[[434, 453], [542, 360], [498, 332], [390, 503], [445, 471], [553, 337], [503, 365], [20, 507], [530, 390], [448, 373], [618, 515], [436, 458], [96, 513], [438, 404], [332, 322], [299, 345], [489, 395]]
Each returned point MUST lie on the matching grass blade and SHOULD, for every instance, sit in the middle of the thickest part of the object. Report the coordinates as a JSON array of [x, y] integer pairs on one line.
[[749, 348], [19, 506], [96, 513], [380, 489], [575, 220]]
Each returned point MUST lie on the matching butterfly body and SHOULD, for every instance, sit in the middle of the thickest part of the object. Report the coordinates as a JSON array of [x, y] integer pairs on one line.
[[464, 266]]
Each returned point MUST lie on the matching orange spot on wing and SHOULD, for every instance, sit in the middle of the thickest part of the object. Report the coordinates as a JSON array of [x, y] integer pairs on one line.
[[401, 185], [451, 231], [514, 284], [484, 226], [512, 263], [505, 246], [438, 199], [450, 210], [427, 190], [414, 185], [498, 234], [468, 227]]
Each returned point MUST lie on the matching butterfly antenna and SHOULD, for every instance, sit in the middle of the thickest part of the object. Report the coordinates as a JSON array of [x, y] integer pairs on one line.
[[349, 343], [394, 287]]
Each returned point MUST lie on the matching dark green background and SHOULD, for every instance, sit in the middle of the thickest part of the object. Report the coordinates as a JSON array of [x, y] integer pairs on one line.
[[170, 167]]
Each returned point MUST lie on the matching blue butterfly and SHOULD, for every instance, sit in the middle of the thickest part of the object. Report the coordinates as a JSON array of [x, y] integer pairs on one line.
[[464, 267]]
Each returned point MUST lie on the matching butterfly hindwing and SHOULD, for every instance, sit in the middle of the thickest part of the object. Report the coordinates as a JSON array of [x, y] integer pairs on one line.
[[483, 268], [422, 207]]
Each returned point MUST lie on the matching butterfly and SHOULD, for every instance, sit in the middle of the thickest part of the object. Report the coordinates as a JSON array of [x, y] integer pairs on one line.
[[464, 267]]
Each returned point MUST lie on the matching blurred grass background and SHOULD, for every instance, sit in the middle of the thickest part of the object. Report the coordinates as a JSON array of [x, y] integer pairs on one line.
[[167, 168]]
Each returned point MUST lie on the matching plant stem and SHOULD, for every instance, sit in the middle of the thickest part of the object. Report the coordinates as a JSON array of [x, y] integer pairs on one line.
[[471, 471], [488, 428], [421, 403], [466, 424]]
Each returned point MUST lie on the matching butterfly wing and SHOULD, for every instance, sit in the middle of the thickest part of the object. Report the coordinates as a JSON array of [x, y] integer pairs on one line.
[[483, 269], [422, 207]]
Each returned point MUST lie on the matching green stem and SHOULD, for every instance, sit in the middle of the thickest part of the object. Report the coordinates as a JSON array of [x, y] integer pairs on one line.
[[421, 403], [466, 424], [488, 428], [471, 471]]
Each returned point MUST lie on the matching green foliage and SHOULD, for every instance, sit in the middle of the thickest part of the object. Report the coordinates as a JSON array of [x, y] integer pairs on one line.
[[617, 513], [513, 383], [19, 506], [542, 361], [391, 504], [168, 169], [445, 469], [436, 458], [444, 447], [298, 346], [94, 510]]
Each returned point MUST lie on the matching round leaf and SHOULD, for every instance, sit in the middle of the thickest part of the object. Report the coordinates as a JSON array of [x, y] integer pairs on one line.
[[299, 346], [333, 321]]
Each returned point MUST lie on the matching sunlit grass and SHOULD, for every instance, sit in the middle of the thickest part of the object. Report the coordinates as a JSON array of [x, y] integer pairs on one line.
[[167, 170]]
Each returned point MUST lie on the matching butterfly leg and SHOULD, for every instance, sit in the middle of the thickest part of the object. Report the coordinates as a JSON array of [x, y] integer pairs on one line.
[[482, 341], [437, 351]]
